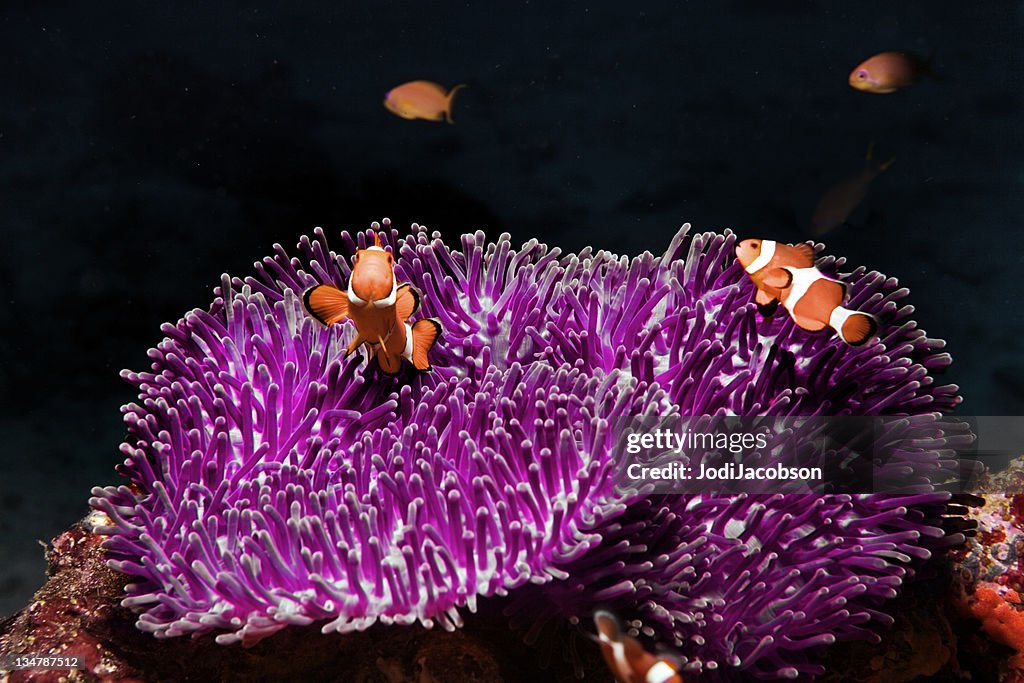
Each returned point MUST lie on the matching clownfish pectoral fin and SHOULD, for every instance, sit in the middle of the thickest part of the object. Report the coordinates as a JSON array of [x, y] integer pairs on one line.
[[390, 364], [354, 344], [327, 304], [425, 334], [805, 255], [383, 346], [407, 301], [779, 278], [766, 303]]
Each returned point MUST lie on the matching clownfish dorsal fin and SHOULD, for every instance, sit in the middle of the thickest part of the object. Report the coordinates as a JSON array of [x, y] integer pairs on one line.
[[805, 255], [376, 240]]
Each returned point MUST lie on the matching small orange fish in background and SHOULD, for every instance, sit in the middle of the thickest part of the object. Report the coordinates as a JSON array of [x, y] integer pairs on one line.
[[626, 657], [888, 72], [379, 307], [785, 273], [422, 100], [838, 203]]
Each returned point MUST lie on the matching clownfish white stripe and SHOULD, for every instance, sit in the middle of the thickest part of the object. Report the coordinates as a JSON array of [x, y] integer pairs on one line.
[[838, 318], [407, 352], [803, 278], [660, 672], [767, 252], [618, 651], [375, 248], [352, 298], [390, 299]]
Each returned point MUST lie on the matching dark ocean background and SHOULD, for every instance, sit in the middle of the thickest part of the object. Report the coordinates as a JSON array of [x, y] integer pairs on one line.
[[146, 148]]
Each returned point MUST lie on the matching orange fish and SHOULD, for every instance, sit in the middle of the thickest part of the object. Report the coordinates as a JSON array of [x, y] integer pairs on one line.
[[837, 204], [626, 657], [785, 273], [379, 307], [888, 72], [422, 100]]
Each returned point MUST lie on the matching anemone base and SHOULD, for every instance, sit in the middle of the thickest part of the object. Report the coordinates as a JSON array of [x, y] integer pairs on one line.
[[78, 611]]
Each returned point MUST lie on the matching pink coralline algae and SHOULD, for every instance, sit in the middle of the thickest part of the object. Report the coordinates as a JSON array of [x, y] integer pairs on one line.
[[274, 482]]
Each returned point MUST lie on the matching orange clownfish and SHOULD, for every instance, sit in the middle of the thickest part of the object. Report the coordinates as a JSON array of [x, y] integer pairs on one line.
[[888, 72], [379, 307], [422, 100], [785, 273], [627, 658]]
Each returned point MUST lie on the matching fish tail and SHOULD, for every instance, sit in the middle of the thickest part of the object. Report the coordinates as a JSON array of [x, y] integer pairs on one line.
[[854, 328], [869, 158], [451, 98]]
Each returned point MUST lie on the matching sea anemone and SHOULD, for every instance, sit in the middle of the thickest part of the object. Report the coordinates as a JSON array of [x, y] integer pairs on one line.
[[272, 481]]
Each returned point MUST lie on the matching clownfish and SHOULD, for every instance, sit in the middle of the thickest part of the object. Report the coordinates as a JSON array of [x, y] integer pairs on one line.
[[421, 100], [785, 273], [627, 659], [379, 307], [888, 72]]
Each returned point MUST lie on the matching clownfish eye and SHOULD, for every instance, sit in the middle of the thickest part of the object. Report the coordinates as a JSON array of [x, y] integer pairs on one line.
[[862, 74], [755, 245], [391, 259]]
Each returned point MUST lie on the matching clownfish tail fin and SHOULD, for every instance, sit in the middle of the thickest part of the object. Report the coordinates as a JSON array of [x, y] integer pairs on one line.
[[425, 334], [859, 328], [854, 328]]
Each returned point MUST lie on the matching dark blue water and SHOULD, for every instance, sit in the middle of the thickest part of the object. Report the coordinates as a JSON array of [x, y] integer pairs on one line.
[[145, 150]]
